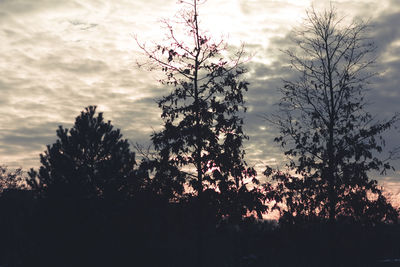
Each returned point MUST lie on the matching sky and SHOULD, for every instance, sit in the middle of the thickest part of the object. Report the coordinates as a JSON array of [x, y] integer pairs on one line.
[[57, 57]]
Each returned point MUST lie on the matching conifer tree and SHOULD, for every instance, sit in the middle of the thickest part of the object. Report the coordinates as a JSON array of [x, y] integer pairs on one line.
[[90, 160]]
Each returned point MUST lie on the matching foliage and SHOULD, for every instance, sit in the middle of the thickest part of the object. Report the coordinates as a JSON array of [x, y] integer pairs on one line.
[[331, 140], [11, 179], [304, 199], [160, 178], [89, 160], [203, 125]]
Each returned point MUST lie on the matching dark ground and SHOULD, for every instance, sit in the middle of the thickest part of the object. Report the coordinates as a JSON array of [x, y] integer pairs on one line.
[[149, 232]]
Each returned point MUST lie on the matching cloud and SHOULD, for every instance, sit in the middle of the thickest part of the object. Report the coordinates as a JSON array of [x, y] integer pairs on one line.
[[21, 7], [266, 79], [57, 57]]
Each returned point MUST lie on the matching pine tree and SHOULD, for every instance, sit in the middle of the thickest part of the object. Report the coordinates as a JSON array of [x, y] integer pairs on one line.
[[90, 160]]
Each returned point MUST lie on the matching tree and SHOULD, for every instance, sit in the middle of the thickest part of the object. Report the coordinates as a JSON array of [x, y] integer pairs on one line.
[[11, 179], [89, 160], [203, 126], [201, 143], [331, 140]]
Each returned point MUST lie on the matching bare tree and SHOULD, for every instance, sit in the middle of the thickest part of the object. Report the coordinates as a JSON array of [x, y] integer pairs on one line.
[[331, 139]]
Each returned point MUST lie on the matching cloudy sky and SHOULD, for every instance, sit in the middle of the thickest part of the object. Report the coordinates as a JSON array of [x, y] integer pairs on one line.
[[56, 57]]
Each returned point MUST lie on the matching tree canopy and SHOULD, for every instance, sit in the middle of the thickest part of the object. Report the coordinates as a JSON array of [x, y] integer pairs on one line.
[[89, 160], [332, 141], [11, 178], [203, 115]]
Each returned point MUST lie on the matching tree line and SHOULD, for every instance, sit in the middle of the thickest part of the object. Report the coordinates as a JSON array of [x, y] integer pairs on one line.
[[93, 199]]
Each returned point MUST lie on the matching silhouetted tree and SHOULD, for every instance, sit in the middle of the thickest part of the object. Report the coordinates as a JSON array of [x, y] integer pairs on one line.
[[201, 142], [158, 177], [11, 179], [89, 160], [203, 126], [331, 139]]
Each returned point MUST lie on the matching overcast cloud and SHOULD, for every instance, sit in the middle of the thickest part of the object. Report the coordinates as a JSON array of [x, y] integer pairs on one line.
[[56, 57]]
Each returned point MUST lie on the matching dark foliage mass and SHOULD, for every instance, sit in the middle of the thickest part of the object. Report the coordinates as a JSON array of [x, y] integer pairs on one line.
[[193, 200], [138, 225], [11, 179], [89, 160]]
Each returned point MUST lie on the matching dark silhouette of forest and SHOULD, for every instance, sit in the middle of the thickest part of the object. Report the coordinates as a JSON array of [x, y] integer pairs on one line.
[[193, 200]]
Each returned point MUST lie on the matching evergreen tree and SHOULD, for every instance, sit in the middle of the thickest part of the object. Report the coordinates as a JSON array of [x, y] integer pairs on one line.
[[89, 160]]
